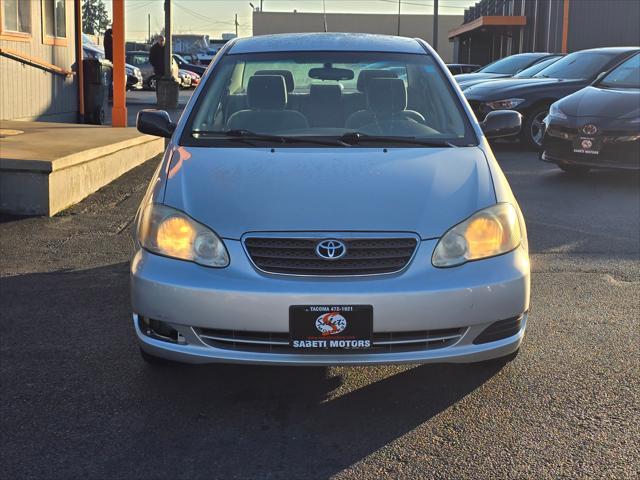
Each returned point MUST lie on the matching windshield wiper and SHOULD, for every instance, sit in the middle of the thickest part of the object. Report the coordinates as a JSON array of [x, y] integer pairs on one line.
[[248, 135], [357, 137]]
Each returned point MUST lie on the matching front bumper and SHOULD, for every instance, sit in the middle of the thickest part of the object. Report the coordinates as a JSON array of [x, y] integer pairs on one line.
[[422, 297]]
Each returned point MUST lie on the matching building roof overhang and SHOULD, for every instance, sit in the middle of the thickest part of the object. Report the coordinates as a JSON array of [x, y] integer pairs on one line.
[[489, 22]]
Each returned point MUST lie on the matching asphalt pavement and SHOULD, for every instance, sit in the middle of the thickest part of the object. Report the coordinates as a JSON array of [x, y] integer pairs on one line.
[[78, 402]]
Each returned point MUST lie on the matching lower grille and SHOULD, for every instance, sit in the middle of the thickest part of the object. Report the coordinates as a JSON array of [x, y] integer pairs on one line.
[[499, 330], [383, 342], [297, 256]]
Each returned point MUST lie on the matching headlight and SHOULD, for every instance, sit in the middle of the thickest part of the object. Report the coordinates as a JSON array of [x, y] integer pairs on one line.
[[555, 112], [170, 232], [507, 104], [492, 231]]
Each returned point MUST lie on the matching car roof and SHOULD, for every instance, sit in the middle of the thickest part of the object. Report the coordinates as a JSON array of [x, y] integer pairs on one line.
[[610, 49], [298, 42]]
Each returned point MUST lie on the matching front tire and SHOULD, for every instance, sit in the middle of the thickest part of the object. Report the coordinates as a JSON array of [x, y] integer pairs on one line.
[[533, 128]]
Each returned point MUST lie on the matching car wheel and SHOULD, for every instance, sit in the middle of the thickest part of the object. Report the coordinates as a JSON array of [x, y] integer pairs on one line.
[[574, 169], [533, 128], [155, 361], [152, 83]]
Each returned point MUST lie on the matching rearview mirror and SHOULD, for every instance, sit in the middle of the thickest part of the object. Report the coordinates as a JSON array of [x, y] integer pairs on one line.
[[502, 123], [155, 122], [330, 73]]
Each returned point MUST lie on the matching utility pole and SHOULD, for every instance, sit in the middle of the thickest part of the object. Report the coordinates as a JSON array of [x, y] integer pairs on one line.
[[167, 87], [148, 28], [260, 5], [435, 25], [236, 23], [399, 6]]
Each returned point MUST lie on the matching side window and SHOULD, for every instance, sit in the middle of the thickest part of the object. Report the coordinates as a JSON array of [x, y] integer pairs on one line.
[[16, 19], [54, 22]]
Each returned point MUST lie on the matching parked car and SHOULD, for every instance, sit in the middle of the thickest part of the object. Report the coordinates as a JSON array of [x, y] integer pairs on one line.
[[195, 78], [503, 68], [134, 75], [140, 59], [185, 78], [598, 126], [459, 68], [532, 96], [526, 73], [311, 211], [186, 65]]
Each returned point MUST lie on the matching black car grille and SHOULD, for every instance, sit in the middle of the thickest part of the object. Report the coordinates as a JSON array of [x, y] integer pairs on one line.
[[297, 256], [612, 153], [383, 342]]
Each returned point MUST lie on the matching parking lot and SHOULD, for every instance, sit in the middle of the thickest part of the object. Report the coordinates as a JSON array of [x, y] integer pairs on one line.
[[78, 402]]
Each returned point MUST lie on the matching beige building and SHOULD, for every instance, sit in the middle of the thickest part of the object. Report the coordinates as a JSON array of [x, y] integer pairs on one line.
[[420, 26], [37, 54]]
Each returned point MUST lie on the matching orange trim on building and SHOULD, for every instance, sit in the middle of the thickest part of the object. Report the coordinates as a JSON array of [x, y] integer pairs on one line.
[[489, 21], [565, 27]]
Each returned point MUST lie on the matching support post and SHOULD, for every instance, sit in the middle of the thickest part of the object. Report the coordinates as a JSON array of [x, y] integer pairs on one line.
[[79, 57], [435, 25], [119, 111], [167, 87], [399, 7]]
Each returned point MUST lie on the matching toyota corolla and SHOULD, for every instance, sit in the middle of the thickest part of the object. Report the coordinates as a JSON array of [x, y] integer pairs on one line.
[[313, 210]]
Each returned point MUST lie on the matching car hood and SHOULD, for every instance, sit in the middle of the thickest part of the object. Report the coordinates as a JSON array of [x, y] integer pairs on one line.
[[239, 190], [466, 77], [602, 102], [511, 87]]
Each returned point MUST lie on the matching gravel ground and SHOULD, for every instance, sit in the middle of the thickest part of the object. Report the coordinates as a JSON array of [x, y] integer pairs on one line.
[[77, 401]]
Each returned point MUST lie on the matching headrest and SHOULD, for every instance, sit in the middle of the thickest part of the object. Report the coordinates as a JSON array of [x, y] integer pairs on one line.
[[386, 95], [366, 75], [325, 93], [288, 77], [267, 92]]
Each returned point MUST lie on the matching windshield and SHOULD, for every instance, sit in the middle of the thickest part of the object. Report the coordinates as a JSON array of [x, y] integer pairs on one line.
[[625, 75], [328, 95], [538, 67], [509, 65], [577, 66]]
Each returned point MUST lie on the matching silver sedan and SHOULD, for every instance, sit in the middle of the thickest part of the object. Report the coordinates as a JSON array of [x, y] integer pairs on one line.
[[329, 199]]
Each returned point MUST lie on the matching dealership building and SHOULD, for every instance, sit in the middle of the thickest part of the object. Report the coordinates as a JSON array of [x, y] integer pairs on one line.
[[420, 26], [492, 29]]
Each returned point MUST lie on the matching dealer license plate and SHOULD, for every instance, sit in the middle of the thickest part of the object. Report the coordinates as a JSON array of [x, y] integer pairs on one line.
[[331, 327], [586, 145]]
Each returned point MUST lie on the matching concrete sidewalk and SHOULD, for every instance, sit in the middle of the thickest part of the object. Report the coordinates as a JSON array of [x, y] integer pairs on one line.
[[46, 167]]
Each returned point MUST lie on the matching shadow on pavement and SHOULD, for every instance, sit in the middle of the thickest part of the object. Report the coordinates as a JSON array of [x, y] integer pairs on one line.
[[78, 401]]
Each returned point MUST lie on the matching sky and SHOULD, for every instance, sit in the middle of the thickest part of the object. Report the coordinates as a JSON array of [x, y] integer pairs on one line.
[[213, 17]]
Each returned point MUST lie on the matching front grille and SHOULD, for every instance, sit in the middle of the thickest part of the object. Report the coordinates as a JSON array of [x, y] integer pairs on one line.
[[612, 153], [383, 342], [499, 330], [297, 256]]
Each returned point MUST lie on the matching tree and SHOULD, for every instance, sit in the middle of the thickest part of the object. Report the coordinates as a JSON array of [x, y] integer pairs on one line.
[[94, 17]]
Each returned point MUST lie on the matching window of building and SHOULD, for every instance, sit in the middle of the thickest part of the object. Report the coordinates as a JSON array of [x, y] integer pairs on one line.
[[16, 18], [54, 22]]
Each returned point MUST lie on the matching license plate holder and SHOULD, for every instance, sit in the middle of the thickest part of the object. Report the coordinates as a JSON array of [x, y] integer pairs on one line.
[[330, 327], [586, 145]]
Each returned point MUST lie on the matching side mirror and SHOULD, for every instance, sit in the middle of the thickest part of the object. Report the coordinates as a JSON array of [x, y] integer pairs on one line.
[[155, 122], [502, 123]]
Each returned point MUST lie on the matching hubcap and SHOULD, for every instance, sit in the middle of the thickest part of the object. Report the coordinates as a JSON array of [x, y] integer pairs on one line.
[[537, 128]]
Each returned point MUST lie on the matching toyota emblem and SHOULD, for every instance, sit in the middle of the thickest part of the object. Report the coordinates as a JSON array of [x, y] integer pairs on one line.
[[331, 249], [589, 129]]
